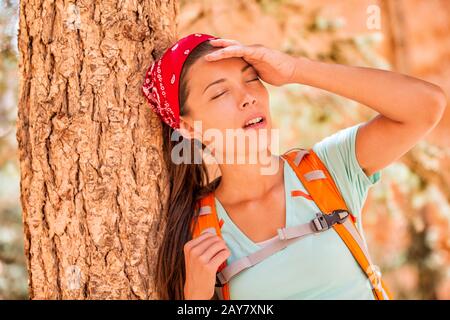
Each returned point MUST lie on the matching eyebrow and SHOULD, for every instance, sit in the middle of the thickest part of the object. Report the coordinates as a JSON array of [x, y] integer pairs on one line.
[[222, 80]]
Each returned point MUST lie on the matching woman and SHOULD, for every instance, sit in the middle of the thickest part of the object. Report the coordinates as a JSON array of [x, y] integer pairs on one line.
[[217, 82]]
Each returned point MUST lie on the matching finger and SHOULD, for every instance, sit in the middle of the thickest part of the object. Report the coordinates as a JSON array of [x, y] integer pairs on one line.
[[228, 52], [225, 42], [201, 247], [192, 243], [219, 258], [213, 249]]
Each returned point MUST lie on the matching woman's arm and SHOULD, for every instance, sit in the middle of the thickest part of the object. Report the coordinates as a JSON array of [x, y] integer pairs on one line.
[[409, 107]]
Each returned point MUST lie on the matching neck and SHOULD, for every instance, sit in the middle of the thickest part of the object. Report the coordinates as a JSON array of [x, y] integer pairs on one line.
[[250, 181]]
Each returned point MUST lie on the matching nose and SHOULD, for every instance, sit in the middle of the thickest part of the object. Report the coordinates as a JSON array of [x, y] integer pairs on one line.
[[248, 99]]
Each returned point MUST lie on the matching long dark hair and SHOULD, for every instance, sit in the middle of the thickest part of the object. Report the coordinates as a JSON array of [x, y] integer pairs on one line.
[[188, 183]]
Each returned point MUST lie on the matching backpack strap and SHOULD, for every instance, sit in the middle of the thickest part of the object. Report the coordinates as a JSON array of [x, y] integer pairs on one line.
[[320, 185], [206, 220], [322, 189], [286, 236]]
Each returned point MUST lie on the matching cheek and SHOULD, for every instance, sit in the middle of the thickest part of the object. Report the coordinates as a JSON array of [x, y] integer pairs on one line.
[[214, 121], [223, 120], [222, 113], [263, 94]]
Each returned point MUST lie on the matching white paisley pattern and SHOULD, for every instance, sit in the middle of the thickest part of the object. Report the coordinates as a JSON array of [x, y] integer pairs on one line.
[[154, 86]]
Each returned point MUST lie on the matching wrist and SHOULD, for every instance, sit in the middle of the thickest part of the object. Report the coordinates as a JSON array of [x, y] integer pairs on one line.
[[197, 297], [189, 295], [300, 70]]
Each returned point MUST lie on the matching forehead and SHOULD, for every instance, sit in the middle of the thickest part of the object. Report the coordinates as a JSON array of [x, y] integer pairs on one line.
[[203, 72], [235, 62]]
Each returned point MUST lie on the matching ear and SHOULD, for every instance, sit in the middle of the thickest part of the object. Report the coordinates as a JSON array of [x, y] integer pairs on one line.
[[186, 129]]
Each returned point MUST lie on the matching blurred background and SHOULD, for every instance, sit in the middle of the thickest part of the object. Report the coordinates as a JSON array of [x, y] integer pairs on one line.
[[407, 214]]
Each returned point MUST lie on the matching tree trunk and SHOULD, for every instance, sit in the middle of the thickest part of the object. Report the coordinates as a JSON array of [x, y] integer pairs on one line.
[[93, 182]]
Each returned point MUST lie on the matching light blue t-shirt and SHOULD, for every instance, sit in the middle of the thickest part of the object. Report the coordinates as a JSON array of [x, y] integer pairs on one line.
[[319, 266]]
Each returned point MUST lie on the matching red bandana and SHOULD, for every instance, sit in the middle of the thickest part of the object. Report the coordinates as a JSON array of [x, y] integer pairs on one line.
[[161, 84]]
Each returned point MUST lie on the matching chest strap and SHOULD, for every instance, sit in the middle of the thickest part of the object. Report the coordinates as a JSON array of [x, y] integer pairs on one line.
[[286, 236], [323, 191]]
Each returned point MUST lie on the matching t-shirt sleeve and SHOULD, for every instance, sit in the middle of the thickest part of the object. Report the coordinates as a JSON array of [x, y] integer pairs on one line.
[[338, 154]]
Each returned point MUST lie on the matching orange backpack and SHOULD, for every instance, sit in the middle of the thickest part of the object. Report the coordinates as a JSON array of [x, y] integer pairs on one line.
[[321, 188]]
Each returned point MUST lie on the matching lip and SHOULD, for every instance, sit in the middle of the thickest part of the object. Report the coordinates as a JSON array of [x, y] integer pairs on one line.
[[255, 126]]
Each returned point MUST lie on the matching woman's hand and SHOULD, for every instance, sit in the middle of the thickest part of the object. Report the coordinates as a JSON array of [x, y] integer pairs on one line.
[[273, 66], [203, 256]]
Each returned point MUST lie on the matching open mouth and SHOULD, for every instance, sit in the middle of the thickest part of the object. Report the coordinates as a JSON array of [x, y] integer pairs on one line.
[[257, 122]]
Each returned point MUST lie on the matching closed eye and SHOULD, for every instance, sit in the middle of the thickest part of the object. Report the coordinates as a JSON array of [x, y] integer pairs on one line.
[[220, 94]]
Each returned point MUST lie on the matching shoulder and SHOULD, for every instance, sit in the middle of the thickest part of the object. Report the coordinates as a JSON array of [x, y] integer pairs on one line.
[[337, 152], [337, 142]]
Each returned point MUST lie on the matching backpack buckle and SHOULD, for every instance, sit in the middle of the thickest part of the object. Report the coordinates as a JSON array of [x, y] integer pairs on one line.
[[326, 221]]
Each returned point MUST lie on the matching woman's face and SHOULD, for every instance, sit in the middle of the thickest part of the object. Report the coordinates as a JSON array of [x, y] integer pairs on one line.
[[225, 94]]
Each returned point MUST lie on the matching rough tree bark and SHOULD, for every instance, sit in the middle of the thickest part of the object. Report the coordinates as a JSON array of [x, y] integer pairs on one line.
[[93, 184]]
